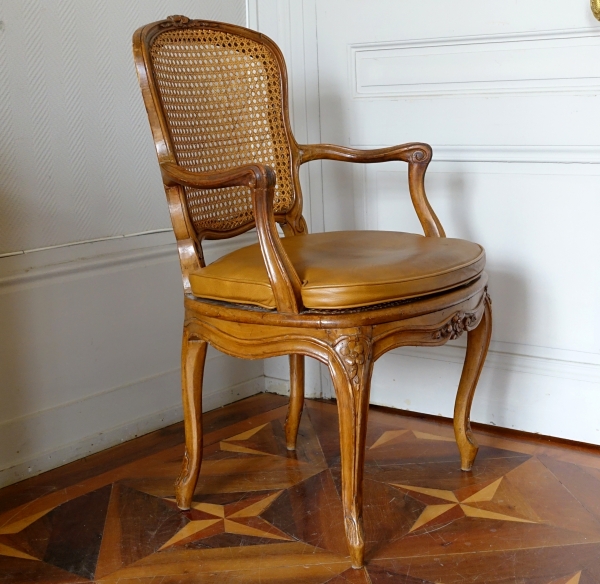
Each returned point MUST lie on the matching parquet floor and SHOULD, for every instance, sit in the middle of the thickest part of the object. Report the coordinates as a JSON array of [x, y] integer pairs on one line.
[[529, 512]]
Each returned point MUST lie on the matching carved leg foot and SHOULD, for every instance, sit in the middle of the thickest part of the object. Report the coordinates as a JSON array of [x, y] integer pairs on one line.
[[478, 341], [193, 355], [351, 372], [292, 421]]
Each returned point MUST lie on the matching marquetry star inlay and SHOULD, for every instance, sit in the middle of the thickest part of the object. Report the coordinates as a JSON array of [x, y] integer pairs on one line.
[[391, 435], [494, 500], [574, 579], [229, 444], [6, 531], [241, 518], [11, 552]]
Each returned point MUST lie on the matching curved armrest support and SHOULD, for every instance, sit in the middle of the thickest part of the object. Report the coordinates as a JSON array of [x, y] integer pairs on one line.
[[411, 152], [418, 156], [260, 179], [249, 176]]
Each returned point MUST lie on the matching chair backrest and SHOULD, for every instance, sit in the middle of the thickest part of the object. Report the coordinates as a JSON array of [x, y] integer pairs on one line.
[[216, 96]]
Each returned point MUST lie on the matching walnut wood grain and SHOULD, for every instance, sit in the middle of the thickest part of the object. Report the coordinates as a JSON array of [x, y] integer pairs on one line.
[[292, 422], [349, 341], [110, 517], [193, 357], [478, 341], [418, 156], [351, 371]]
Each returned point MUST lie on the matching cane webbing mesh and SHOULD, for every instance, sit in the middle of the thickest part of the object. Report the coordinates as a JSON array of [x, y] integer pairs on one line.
[[222, 99]]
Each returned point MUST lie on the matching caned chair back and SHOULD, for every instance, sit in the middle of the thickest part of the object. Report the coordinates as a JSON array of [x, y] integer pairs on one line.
[[219, 96]]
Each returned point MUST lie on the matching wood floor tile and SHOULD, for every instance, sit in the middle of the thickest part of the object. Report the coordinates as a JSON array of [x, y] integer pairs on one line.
[[582, 482], [250, 563], [528, 512], [351, 576], [551, 500], [311, 511], [19, 571], [75, 533], [23, 492], [531, 566], [137, 524]]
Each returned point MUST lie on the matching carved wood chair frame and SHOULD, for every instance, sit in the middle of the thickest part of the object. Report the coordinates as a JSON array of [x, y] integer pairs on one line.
[[348, 342]]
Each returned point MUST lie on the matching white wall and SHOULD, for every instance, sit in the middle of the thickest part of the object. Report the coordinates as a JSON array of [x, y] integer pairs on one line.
[[90, 333], [292, 25], [507, 94]]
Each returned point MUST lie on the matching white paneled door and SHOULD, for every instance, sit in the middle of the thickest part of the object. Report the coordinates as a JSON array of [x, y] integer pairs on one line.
[[507, 95]]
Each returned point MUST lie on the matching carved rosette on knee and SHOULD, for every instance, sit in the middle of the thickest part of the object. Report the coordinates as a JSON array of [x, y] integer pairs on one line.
[[353, 351]]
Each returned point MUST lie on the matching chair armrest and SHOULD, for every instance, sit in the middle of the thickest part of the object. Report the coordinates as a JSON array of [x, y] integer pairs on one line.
[[247, 176], [260, 179], [411, 152], [418, 156]]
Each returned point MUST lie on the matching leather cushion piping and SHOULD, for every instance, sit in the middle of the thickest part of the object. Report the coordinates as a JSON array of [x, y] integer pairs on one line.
[[346, 269]]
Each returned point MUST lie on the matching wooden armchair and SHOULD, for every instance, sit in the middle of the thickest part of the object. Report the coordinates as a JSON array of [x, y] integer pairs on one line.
[[216, 97]]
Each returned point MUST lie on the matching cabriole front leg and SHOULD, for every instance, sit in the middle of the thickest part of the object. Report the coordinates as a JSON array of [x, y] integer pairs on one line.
[[351, 370], [478, 341], [193, 356], [292, 422]]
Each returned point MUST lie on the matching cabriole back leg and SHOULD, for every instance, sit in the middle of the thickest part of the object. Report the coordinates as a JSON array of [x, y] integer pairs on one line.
[[193, 356], [296, 404], [478, 341]]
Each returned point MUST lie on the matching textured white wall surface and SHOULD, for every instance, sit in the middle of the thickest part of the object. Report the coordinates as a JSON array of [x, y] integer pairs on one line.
[[90, 334], [76, 158], [508, 95]]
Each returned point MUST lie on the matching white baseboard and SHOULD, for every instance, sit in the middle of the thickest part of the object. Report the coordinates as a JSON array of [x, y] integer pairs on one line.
[[532, 393], [548, 392], [89, 350], [278, 386], [228, 395], [282, 386], [79, 416], [511, 357]]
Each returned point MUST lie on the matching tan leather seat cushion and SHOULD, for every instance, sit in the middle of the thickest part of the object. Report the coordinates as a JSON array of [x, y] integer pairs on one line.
[[346, 269]]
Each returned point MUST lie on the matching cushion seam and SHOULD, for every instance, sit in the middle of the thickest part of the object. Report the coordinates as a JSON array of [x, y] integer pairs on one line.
[[388, 282], [233, 280]]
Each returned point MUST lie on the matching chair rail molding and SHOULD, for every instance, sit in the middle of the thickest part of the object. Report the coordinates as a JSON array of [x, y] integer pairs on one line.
[[89, 349], [470, 65], [510, 153]]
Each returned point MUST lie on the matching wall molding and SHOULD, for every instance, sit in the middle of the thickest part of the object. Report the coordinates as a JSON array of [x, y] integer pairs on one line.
[[517, 362], [100, 439], [312, 390], [509, 153], [405, 68], [95, 259], [517, 153]]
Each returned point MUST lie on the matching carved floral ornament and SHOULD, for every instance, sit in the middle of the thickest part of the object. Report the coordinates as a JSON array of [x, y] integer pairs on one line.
[[353, 352], [595, 4], [179, 21], [457, 325], [176, 20]]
